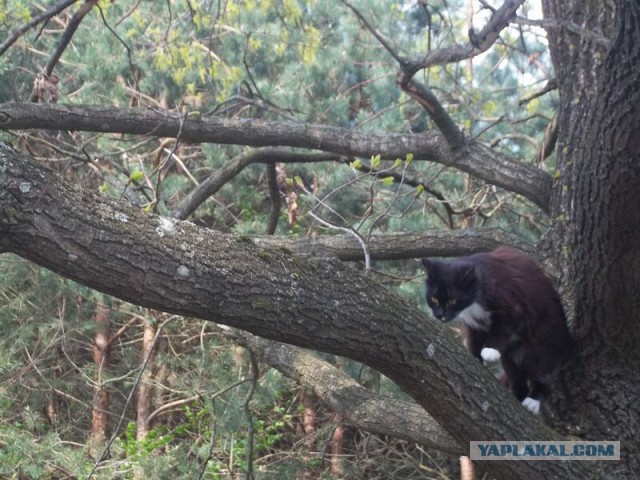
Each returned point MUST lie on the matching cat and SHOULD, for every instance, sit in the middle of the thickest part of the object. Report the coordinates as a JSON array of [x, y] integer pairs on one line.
[[509, 310]]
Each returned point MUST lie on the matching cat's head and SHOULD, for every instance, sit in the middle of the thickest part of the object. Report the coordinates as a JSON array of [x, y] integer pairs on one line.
[[451, 287]]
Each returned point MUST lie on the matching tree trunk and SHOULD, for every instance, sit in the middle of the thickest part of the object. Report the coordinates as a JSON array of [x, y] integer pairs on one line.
[[337, 448], [101, 402], [598, 231], [145, 388], [309, 409]]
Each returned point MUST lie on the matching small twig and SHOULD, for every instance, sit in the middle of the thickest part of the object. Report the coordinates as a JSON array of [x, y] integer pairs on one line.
[[213, 418], [65, 40], [353, 233], [212, 443], [381, 38], [163, 409], [105, 451], [43, 17], [113, 32], [128, 13], [217, 180], [170, 155], [489, 126], [398, 178], [179, 161], [550, 86]]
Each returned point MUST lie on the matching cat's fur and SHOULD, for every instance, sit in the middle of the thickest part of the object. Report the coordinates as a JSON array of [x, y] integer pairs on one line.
[[506, 305]]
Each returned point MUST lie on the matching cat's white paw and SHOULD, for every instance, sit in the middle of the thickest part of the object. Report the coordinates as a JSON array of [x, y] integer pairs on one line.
[[490, 354], [532, 405]]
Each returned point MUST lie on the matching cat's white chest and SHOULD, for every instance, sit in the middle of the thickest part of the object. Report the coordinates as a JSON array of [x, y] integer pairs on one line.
[[475, 316]]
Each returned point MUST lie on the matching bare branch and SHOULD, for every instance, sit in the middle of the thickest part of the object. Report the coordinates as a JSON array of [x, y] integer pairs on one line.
[[478, 42], [398, 246], [64, 41], [43, 17], [419, 92], [549, 87], [136, 382], [216, 181], [385, 42], [360, 407], [425, 97], [474, 158], [400, 178]]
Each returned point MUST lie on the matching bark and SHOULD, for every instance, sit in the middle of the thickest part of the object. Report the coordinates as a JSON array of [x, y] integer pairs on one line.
[[598, 220], [314, 303], [473, 157]]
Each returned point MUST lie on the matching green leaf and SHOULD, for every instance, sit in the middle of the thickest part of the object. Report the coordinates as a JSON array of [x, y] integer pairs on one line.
[[299, 181], [409, 158], [357, 164], [136, 176], [397, 163], [388, 181], [419, 189], [375, 161]]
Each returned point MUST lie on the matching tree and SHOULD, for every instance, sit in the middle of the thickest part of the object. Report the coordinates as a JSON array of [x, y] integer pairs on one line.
[[274, 290]]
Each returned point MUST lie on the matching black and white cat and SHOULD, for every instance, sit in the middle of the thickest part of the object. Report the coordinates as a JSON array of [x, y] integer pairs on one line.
[[510, 311]]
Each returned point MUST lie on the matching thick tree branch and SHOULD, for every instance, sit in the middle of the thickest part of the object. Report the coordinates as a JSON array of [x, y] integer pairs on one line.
[[425, 97], [320, 304], [398, 246], [474, 158]]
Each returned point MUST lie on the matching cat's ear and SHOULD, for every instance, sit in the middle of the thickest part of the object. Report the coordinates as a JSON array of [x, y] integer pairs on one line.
[[429, 266], [467, 274]]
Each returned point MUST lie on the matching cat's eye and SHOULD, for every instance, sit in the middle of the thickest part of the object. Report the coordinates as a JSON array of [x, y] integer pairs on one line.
[[451, 302], [434, 300]]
